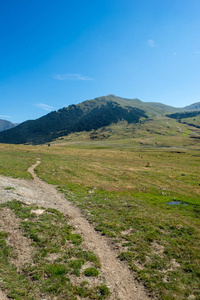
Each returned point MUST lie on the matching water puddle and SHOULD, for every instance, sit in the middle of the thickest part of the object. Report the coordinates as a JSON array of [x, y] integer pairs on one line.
[[175, 202]]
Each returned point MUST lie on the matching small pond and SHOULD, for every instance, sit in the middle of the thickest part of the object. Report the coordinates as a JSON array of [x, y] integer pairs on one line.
[[176, 202]]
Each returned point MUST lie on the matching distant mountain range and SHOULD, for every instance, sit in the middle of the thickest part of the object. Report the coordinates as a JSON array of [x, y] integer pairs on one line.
[[4, 125], [192, 107], [88, 115]]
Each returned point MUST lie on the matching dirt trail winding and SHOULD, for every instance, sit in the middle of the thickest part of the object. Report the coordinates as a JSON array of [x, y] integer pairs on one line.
[[118, 276]]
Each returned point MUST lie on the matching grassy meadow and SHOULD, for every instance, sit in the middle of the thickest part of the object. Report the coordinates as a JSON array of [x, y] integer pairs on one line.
[[124, 191], [52, 267], [159, 131]]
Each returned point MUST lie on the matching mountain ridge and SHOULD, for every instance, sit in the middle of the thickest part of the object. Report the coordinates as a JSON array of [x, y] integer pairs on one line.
[[193, 107], [85, 116]]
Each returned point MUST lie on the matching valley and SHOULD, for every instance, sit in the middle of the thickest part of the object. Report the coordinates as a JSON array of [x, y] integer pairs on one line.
[[128, 186]]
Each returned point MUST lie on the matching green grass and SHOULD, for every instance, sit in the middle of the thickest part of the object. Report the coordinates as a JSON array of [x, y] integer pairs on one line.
[[194, 120], [123, 191], [56, 256], [158, 131], [126, 200], [8, 188], [15, 160], [90, 272]]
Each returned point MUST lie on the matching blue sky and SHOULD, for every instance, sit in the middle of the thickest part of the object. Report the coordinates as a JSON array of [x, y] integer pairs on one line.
[[54, 53]]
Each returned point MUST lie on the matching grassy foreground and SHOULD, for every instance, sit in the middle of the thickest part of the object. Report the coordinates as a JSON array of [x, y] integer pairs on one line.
[[56, 258], [125, 192]]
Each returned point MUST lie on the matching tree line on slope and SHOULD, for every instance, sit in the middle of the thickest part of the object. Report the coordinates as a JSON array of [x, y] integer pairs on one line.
[[68, 120]]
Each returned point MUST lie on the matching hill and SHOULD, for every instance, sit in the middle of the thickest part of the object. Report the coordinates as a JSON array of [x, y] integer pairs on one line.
[[92, 115], [4, 125], [194, 106], [151, 108], [187, 117], [86, 116]]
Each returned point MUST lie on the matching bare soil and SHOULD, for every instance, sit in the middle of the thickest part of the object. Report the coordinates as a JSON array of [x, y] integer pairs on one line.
[[21, 245], [119, 278]]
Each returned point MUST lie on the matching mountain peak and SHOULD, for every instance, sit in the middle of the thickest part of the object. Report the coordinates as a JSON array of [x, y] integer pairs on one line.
[[112, 95]]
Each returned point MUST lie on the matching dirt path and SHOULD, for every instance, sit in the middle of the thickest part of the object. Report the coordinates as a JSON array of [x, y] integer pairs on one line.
[[2, 296], [118, 276]]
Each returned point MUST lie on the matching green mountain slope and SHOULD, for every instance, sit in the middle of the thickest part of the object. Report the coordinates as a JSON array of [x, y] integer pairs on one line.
[[151, 108], [187, 117], [194, 106], [86, 116], [92, 115]]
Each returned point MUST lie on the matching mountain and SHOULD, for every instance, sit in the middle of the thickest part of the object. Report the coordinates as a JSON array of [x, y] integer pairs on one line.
[[4, 125], [88, 115], [151, 108], [195, 106]]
